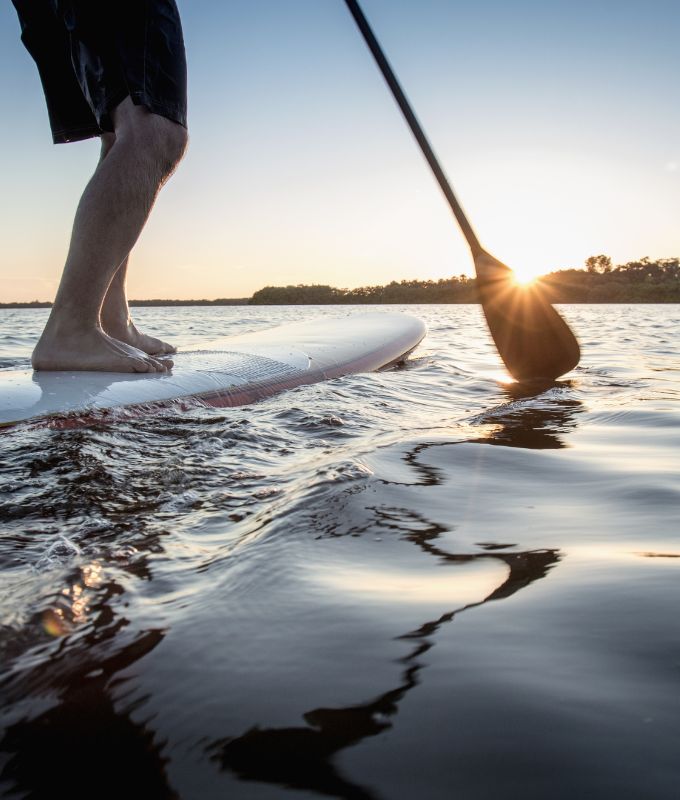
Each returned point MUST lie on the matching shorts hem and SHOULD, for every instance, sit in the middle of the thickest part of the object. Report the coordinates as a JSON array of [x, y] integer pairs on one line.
[[105, 125], [66, 135], [171, 111]]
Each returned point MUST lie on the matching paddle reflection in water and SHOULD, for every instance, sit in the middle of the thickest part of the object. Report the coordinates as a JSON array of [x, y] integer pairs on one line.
[[303, 757], [530, 420]]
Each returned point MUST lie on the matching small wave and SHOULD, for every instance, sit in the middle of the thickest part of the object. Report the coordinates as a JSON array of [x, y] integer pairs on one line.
[[59, 554]]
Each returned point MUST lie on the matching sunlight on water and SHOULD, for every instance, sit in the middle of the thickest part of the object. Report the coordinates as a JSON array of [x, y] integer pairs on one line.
[[469, 584]]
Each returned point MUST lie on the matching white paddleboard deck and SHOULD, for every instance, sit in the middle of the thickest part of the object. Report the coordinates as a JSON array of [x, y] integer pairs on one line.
[[233, 371]]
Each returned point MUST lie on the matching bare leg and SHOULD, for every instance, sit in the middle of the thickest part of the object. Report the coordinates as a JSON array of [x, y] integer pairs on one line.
[[116, 319], [112, 212]]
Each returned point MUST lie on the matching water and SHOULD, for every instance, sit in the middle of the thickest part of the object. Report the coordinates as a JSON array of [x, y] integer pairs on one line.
[[410, 584]]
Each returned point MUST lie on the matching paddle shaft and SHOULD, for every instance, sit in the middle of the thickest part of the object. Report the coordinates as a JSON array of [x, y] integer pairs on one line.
[[414, 125]]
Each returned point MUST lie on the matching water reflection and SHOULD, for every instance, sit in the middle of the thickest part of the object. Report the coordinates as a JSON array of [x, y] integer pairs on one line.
[[303, 757], [660, 555], [83, 745], [530, 420]]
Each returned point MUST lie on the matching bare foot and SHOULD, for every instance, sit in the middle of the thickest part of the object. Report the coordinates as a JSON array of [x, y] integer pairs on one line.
[[91, 349], [128, 333]]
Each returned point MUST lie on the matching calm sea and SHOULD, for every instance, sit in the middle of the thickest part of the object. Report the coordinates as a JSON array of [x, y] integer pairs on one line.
[[418, 583]]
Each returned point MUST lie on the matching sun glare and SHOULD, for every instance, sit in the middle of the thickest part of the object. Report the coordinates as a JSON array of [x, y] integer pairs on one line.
[[524, 277]]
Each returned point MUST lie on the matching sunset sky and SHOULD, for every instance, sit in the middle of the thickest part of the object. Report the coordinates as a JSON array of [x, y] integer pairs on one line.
[[558, 124]]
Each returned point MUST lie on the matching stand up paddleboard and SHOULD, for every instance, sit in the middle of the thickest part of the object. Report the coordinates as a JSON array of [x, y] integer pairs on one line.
[[229, 372]]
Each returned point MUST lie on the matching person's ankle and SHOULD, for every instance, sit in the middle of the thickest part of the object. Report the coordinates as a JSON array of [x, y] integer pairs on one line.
[[71, 319], [115, 322]]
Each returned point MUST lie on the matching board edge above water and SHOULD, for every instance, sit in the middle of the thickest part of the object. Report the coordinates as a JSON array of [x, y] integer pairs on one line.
[[232, 371]]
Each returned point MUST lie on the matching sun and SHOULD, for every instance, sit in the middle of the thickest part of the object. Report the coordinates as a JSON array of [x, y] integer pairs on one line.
[[524, 277]]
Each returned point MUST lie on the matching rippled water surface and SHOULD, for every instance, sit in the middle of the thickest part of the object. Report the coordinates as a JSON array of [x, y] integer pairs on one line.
[[420, 583]]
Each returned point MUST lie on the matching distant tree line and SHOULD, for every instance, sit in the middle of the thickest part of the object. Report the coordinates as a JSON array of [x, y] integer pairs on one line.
[[642, 281], [445, 290], [221, 301], [599, 281]]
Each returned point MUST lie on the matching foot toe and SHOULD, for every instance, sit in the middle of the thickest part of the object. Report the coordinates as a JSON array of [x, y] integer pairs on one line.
[[142, 366]]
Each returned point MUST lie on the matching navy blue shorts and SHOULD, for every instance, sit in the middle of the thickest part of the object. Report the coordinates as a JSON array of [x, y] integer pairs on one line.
[[92, 55]]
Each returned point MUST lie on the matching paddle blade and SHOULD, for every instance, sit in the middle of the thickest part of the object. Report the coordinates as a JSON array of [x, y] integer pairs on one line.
[[533, 340]]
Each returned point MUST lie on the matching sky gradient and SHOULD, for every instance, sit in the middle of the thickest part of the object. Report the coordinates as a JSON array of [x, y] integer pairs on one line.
[[557, 123]]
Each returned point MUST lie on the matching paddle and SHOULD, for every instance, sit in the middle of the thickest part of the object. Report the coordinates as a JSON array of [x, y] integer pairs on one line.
[[533, 340]]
